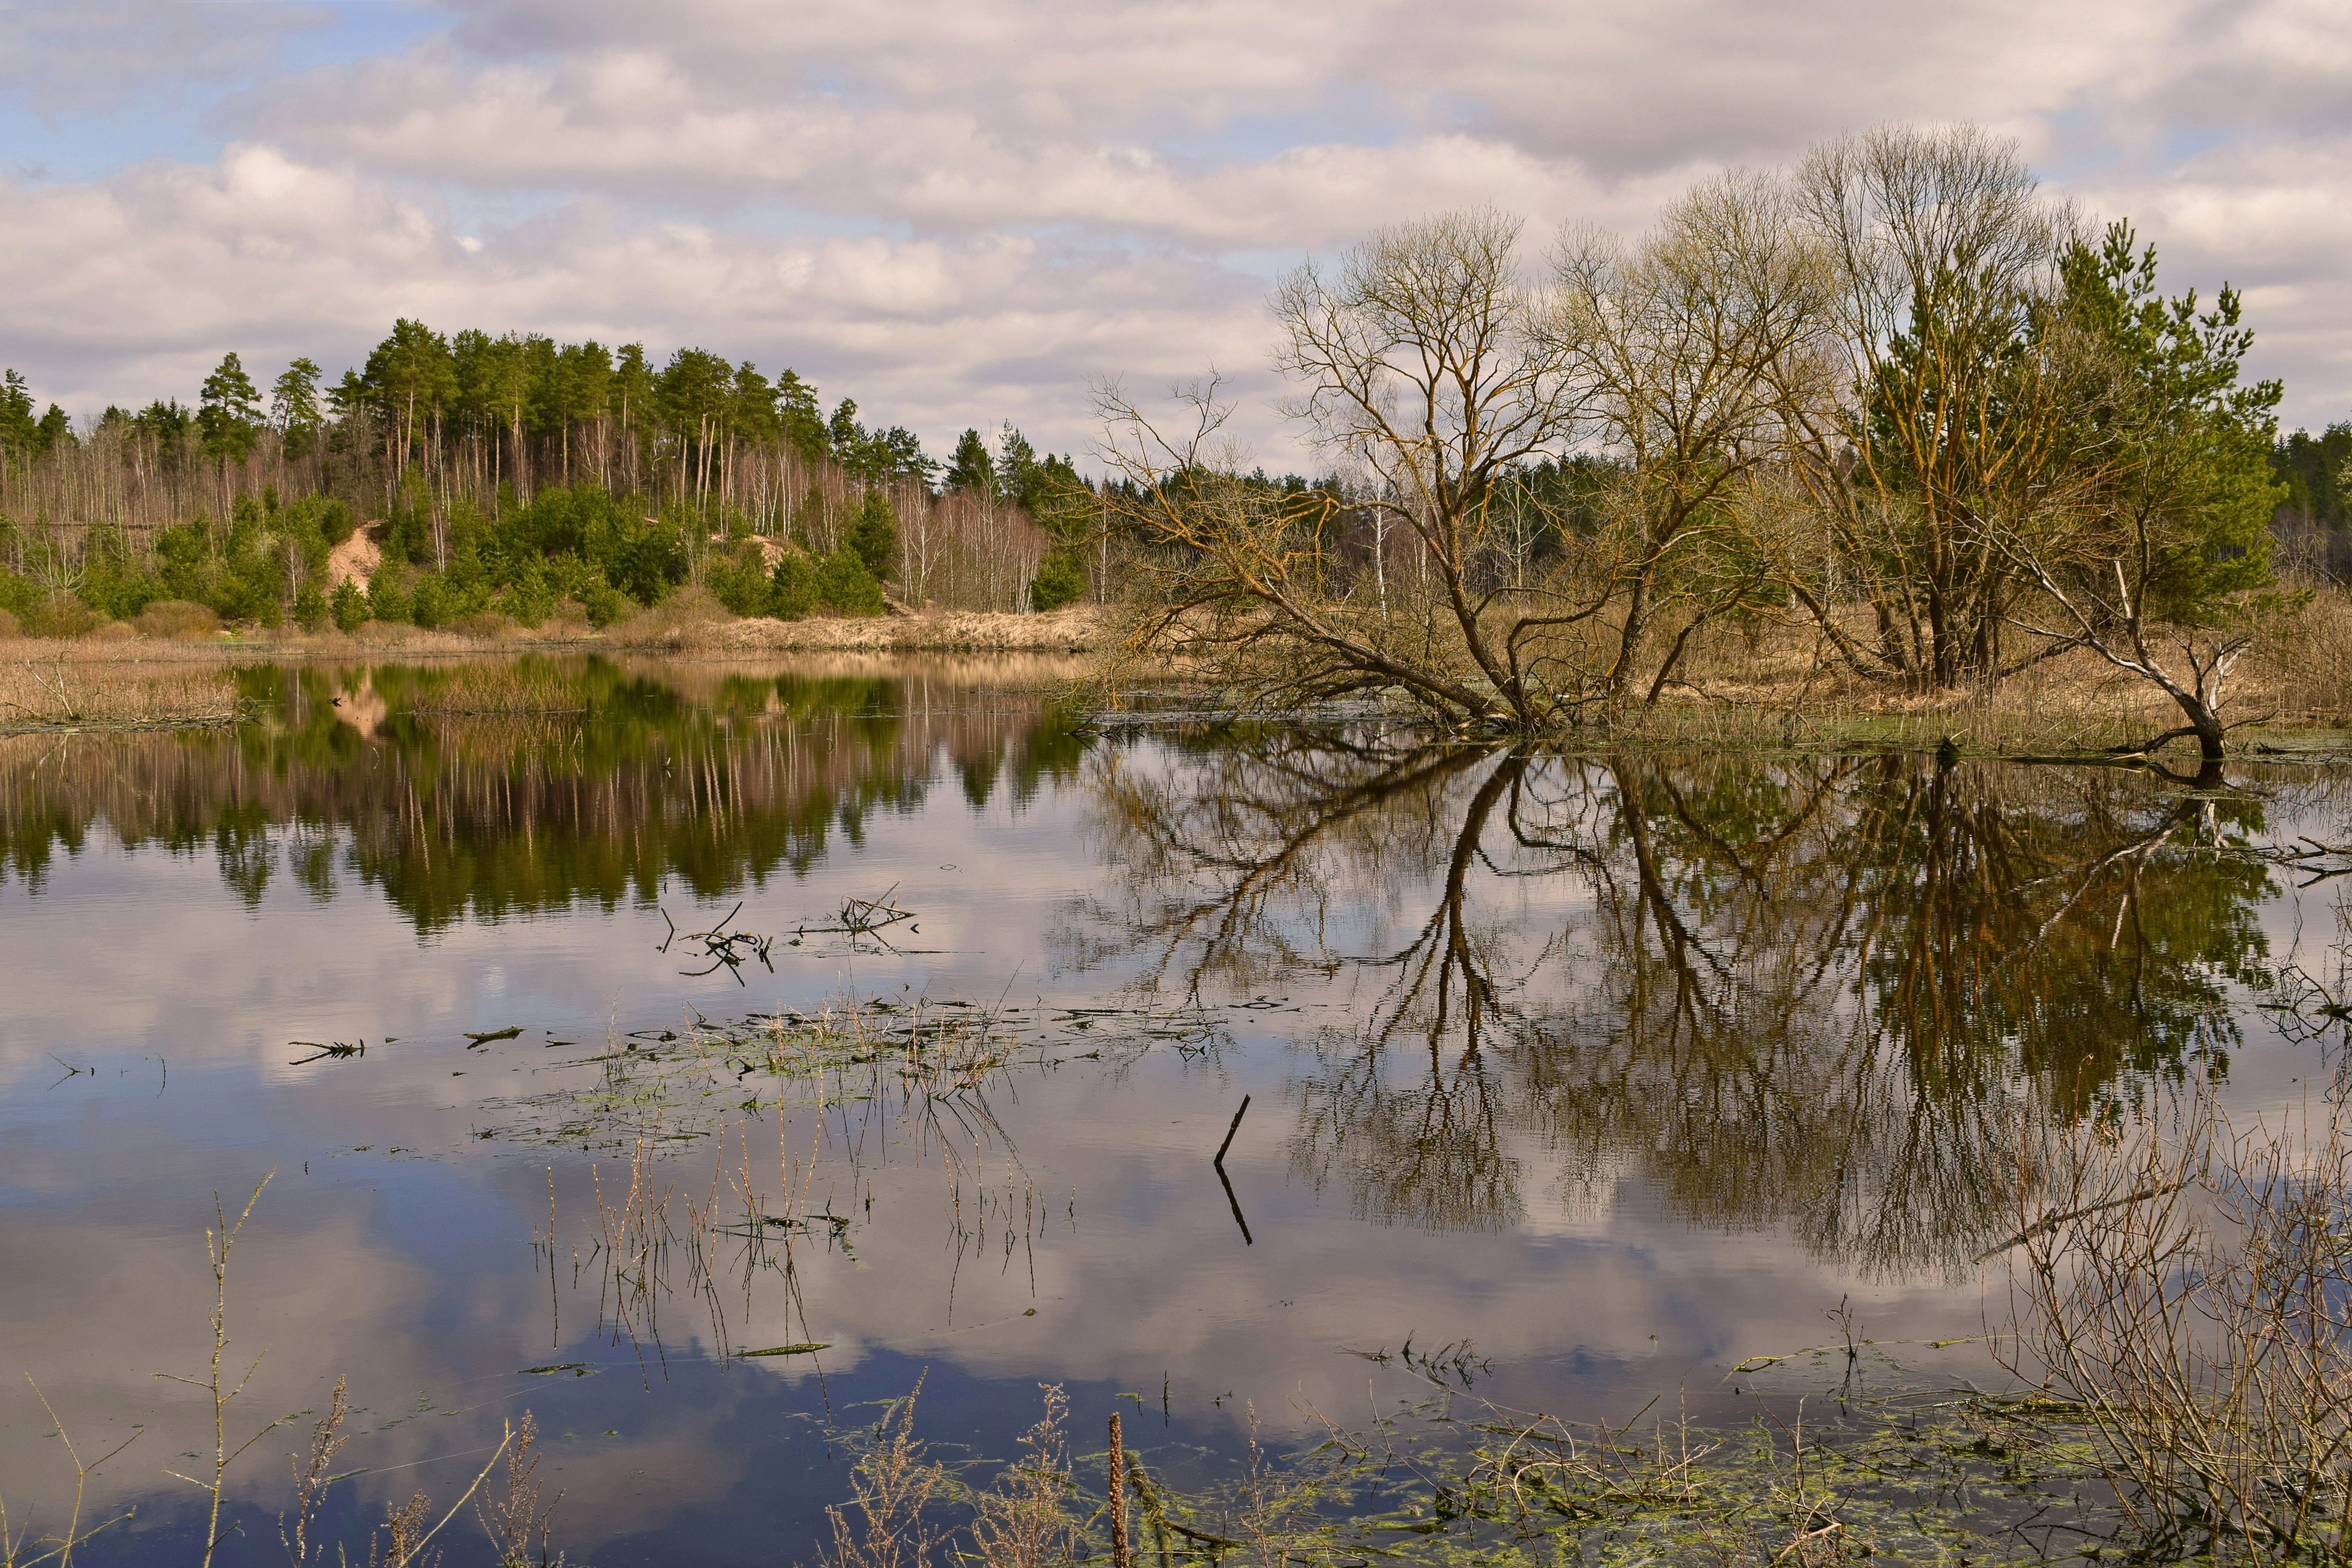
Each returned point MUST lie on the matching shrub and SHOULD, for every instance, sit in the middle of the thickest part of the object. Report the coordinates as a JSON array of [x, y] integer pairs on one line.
[[792, 586], [348, 606], [388, 598], [845, 586], [60, 616], [178, 620], [8, 627], [741, 583], [645, 560], [873, 535], [1061, 580], [604, 603], [488, 625], [428, 603]]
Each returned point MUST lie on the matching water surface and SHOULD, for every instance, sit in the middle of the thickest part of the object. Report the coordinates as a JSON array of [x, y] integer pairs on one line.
[[1583, 1075]]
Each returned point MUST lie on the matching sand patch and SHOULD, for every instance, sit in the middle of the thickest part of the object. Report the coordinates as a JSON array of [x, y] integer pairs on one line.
[[356, 558]]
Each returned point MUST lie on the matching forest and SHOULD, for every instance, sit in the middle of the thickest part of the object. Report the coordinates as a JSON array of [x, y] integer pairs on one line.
[[513, 476]]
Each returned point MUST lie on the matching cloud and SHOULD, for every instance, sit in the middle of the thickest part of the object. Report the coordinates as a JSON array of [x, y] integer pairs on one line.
[[135, 286], [958, 215], [99, 53]]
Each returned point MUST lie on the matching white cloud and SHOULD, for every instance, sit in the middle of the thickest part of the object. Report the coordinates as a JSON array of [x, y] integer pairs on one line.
[[136, 285], [95, 53], [955, 214]]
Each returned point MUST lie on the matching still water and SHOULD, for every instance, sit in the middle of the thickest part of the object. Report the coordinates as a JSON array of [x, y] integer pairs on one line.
[[1582, 1077]]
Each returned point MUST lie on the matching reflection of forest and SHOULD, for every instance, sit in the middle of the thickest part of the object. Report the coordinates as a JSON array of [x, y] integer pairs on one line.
[[527, 786], [1843, 995]]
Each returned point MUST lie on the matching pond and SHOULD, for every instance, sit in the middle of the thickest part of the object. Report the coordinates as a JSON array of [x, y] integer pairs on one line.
[[602, 1024]]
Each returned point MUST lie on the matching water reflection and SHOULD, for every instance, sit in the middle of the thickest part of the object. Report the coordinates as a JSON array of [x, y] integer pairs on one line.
[[1620, 1066], [487, 792], [1824, 993]]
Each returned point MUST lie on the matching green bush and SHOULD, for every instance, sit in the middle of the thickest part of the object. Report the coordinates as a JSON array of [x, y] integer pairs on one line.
[[348, 606], [873, 535], [428, 603], [844, 584], [793, 588], [387, 594], [739, 581], [646, 559], [602, 602], [1061, 579], [18, 594]]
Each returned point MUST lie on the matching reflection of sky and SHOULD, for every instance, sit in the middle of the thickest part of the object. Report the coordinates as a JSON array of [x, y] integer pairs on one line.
[[396, 1245]]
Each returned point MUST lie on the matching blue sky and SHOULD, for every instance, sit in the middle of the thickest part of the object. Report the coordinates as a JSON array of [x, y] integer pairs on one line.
[[957, 214]]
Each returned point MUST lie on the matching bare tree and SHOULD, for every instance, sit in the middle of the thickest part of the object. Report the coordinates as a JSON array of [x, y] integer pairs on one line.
[[1425, 369], [1688, 344]]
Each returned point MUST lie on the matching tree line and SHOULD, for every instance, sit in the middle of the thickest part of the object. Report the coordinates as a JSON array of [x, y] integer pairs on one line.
[[511, 473], [1894, 395]]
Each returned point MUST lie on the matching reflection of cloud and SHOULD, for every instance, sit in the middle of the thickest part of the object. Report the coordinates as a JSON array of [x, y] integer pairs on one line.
[[409, 1265]]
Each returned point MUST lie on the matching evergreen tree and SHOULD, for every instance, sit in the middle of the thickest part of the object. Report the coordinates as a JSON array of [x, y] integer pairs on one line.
[[2318, 473], [1016, 463], [55, 429], [800, 417], [294, 406], [795, 586], [2186, 444], [972, 469], [846, 433], [228, 412], [412, 379], [845, 586], [873, 534], [18, 430]]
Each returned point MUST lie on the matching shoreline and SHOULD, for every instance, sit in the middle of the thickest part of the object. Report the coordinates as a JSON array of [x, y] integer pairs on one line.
[[2068, 710]]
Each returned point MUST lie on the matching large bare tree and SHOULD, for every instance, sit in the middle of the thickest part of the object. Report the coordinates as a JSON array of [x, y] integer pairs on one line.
[[1427, 370]]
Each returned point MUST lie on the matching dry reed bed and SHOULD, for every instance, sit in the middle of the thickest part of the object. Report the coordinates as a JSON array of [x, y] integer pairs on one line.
[[1080, 629], [47, 686]]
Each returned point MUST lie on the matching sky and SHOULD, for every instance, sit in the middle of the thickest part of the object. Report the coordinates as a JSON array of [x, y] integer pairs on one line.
[[959, 214]]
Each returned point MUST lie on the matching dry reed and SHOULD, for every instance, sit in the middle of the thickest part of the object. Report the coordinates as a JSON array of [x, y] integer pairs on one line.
[[2186, 1287], [54, 686]]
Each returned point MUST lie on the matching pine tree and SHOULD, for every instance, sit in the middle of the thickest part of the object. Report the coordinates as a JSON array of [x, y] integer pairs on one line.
[[971, 469], [228, 412], [873, 535], [294, 406]]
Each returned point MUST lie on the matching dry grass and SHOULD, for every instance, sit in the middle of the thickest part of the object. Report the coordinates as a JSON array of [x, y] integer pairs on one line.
[[1763, 685], [2302, 672], [47, 685], [1079, 629]]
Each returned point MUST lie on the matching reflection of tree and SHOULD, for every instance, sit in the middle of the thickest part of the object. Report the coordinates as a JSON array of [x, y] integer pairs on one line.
[[1830, 993], [570, 781]]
